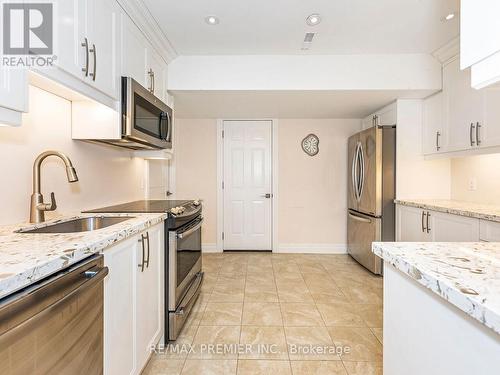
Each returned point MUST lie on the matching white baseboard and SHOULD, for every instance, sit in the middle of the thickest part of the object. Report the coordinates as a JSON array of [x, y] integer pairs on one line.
[[315, 248], [209, 248]]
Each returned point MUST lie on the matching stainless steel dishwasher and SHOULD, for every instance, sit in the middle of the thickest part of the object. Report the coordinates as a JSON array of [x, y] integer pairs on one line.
[[56, 325]]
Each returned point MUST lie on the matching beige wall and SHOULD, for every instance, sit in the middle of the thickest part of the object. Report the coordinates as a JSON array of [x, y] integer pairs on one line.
[[107, 175], [196, 168], [312, 191], [485, 169]]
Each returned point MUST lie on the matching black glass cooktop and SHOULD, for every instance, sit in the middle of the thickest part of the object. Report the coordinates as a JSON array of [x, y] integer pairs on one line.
[[153, 206]]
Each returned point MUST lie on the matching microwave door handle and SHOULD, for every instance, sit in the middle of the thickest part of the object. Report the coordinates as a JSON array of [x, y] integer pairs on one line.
[[169, 128]]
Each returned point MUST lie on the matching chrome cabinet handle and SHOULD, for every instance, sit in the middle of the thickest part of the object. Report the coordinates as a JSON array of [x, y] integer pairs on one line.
[[150, 74], [94, 51], [438, 147], [147, 241], [154, 82], [471, 131], [428, 226], [85, 69], [478, 133], [142, 264], [423, 221]]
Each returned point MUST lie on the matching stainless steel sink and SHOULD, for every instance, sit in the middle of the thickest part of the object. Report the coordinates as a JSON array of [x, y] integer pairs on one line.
[[85, 224]]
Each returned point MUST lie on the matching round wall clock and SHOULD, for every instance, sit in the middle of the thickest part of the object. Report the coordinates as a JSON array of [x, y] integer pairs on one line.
[[310, 145]]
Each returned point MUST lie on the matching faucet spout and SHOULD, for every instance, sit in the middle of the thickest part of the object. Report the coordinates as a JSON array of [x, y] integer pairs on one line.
[[38, 208]]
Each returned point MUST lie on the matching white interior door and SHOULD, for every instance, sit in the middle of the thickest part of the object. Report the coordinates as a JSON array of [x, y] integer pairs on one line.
[[247, 180]]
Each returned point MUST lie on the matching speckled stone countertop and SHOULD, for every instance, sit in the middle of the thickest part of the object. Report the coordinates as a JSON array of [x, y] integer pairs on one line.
[[477, 210], [26, 258], [466, 275]]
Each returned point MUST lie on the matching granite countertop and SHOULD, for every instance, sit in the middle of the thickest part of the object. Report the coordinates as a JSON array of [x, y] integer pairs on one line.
[[26, 258], [476, 210], [466, 275]]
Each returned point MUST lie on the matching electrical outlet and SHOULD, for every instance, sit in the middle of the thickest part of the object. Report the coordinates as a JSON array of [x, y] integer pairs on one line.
[[473, 184]]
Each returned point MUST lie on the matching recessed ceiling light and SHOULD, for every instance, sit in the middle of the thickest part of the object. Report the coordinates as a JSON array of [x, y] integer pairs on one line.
[[313, 19], [449, 17], [212, 20]]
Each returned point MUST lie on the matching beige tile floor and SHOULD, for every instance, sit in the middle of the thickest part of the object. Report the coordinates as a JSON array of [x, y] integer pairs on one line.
[[311, 301]]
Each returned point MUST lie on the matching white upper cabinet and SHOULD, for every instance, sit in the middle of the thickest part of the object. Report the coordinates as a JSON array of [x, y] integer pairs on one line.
[[479, 30], [87, 44], [13, 95], [133, 55], [71, 33], [434, 136], [104, 16], [386, 116], [464, 108], [157, 73]]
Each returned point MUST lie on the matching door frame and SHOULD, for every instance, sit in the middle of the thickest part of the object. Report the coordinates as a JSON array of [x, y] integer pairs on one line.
[[274, 181]]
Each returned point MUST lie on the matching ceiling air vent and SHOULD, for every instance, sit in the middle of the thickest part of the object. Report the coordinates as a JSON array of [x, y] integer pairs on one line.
[[308, 38]]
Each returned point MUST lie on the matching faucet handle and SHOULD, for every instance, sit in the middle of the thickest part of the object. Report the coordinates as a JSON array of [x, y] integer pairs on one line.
[[48, 206], [53, 203]]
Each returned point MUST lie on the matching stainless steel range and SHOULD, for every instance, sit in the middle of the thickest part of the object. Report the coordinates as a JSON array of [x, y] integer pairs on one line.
[[183, 260]]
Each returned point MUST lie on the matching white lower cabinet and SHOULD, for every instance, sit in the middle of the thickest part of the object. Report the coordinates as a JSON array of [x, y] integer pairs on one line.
[[489, 231], [411, 225], [133, 298], [453, 228], [149, 294], [418, 225]]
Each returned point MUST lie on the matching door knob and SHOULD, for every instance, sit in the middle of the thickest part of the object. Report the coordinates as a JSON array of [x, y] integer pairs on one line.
[[268, 195]]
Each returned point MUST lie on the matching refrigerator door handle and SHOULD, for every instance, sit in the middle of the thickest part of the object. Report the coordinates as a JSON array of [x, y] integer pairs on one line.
[[360, 218], [354, 173], [362, 169]]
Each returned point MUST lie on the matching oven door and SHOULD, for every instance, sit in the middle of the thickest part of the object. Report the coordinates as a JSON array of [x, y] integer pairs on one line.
[[146, 119], [184, 260]]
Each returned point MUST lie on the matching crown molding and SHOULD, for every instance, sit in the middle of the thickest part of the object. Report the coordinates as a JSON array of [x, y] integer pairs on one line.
[[448, 52], [142, 17]]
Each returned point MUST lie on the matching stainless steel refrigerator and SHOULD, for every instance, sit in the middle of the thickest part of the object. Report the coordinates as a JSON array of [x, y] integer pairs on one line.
[[371, 193]]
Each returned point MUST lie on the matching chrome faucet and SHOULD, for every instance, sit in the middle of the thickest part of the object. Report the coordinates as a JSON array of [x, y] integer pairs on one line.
[[38, 208]]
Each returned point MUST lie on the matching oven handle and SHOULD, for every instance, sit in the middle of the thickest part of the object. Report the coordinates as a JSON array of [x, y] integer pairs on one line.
[[190, 231], [194, 288]]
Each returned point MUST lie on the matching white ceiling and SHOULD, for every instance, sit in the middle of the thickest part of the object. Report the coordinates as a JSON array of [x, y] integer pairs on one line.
[[286, 104], [278, 26]]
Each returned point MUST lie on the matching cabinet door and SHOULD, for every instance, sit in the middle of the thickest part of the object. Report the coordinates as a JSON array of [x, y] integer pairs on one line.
[[464, 106], [104, 16], [133, 55], [72, 30], [367, 122], [410, 224], [119, 310], [387, 116], [434, 137], [489, 133], [453, 228], [13, 89], [156, 64], [150, 294], [489, 231], [479, 30]]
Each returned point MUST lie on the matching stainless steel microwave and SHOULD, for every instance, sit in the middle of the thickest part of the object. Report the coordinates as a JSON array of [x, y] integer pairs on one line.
[[147, 122]]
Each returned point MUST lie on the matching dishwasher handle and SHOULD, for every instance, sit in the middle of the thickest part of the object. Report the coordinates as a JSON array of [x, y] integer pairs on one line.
[[85, 278]]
